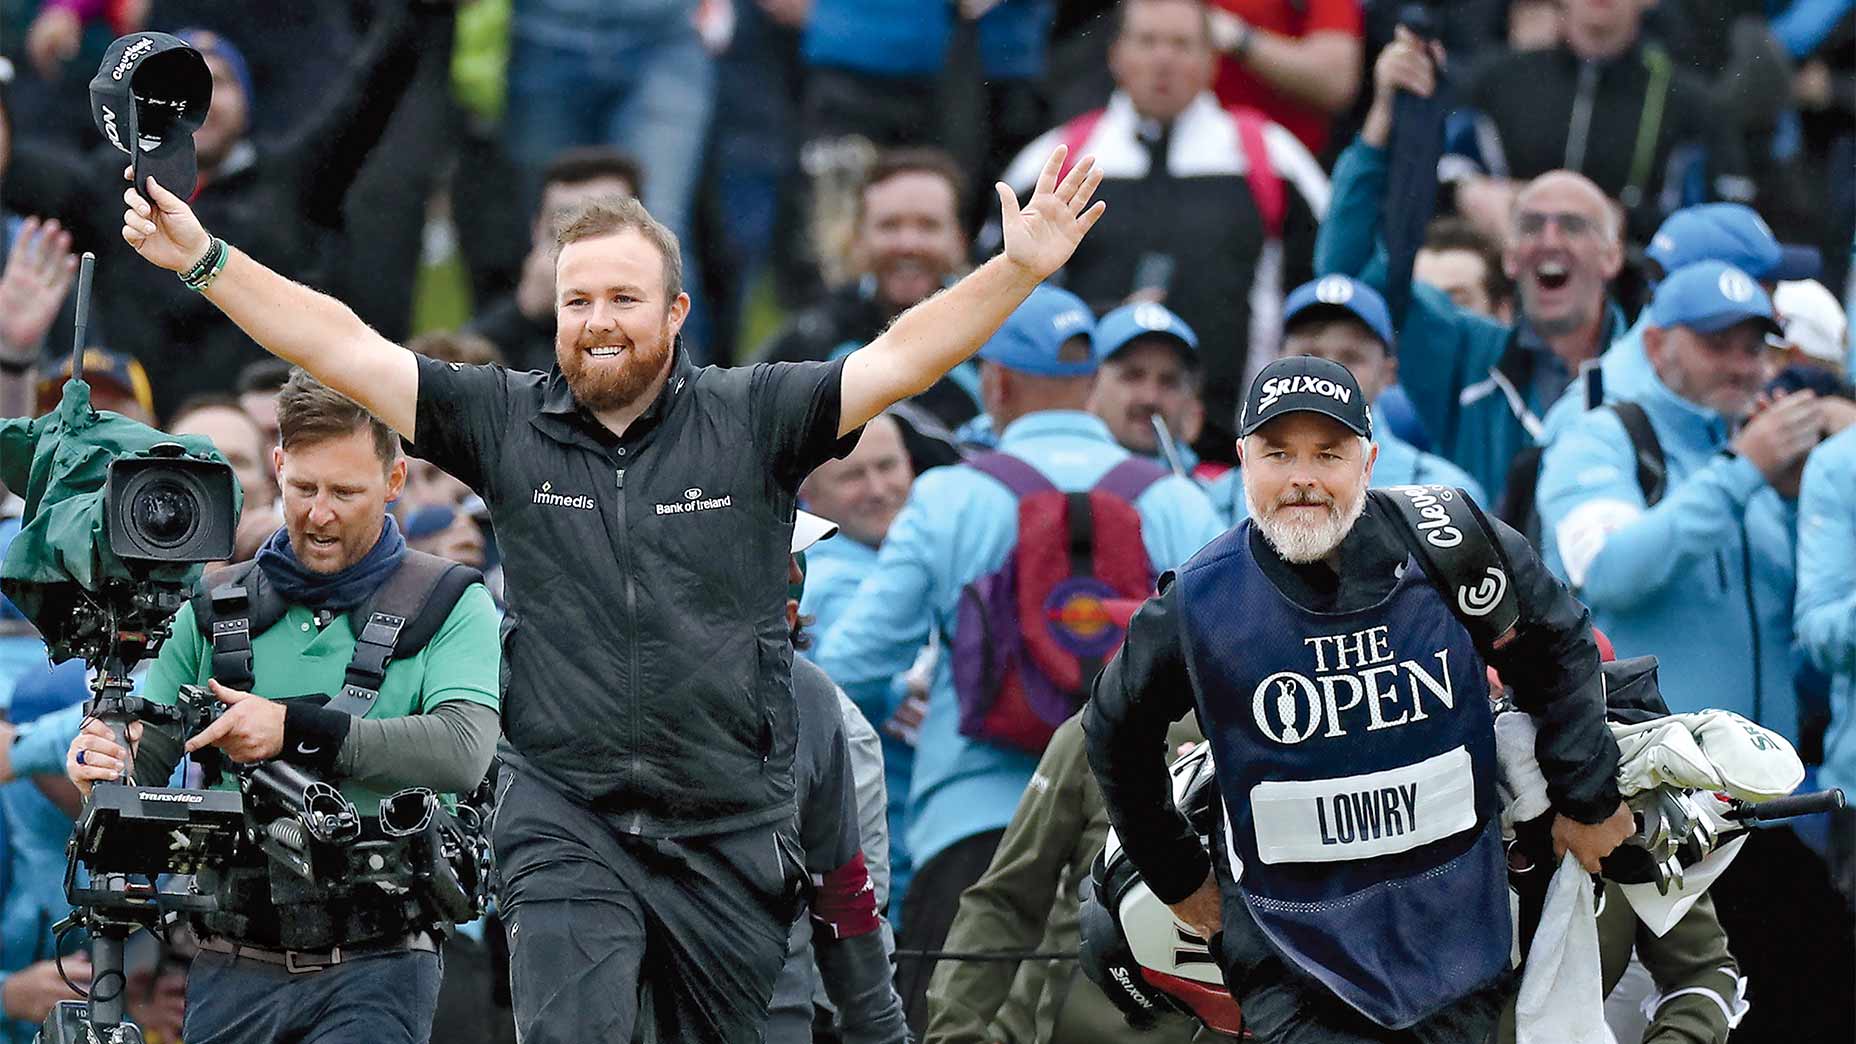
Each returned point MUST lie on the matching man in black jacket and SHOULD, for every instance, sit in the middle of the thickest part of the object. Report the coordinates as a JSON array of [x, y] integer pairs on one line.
[[1604, 103], [1357, 876], [522, 324], [643, 507], [281, 198]]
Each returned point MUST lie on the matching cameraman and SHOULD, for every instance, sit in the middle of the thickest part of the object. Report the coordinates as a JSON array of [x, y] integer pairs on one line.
[[373, 974]]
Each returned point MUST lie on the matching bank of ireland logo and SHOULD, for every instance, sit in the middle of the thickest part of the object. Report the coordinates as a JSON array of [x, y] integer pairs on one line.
[[1076, 612], [1286, 707], [1736, 287], [1151, 316], [1482, 599], [692, 493], [1334, 290]]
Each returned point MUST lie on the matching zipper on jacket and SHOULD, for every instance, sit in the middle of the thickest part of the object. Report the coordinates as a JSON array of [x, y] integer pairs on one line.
[[1752, 619], [1579, 129], [631, 632]]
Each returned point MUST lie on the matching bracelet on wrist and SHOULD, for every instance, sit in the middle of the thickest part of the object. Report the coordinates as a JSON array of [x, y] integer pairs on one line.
[[198, 268], [207, 269], [15, 367]]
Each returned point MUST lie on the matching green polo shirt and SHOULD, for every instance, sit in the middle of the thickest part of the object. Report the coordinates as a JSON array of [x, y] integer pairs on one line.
[[293, 658]]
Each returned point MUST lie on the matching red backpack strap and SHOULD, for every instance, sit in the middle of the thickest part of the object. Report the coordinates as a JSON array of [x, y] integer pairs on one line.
[[1016, 475], [1075, 135], [1266, 189]]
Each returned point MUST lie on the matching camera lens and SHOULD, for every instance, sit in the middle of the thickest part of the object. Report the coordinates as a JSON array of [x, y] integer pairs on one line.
[[164, 513]]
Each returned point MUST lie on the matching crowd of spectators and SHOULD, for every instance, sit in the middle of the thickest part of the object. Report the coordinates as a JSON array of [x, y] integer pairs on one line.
[[1591, 164]]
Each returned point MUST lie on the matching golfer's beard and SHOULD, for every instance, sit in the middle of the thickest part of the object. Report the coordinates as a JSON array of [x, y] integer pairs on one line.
[[601, 384], [1303, 542]]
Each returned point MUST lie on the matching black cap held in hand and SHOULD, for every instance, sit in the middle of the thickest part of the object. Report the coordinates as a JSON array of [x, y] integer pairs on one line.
[[155, 89], [1305, 384]]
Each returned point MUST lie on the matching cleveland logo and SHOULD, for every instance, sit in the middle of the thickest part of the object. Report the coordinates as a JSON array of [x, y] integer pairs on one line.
[[1353, 673], [135, 51], [546, 495], [1277, 387], [1482, 599], [1436, 527]]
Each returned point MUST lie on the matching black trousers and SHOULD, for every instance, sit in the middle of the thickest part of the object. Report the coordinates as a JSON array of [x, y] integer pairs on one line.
[[1282, 1005], [602, 923], [1791, 933], [928, 912]]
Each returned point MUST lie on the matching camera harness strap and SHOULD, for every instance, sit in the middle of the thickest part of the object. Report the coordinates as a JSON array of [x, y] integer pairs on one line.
[[400, 618]]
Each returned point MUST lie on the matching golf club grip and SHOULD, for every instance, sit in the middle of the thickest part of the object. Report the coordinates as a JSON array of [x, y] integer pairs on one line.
[[1795, 805]]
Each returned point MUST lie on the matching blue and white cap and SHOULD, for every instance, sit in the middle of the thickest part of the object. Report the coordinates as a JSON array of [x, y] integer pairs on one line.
[[1033, 338], [1733, 233], [1130, 323], [1711, 296], [1339, 294]]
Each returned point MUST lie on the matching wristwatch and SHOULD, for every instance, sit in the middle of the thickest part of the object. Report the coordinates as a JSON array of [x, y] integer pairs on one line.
[[1231, 34]]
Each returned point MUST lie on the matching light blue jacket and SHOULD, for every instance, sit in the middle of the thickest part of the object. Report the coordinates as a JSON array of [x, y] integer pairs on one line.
[[834, 570], [1625, 374], [958, 526], [36, 831], [1400, 464], [1465, 373], [1826, 604], [1703, 580]]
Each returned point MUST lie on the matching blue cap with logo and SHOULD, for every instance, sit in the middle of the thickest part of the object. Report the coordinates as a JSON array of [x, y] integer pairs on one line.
[[1735, 234], [1711, 296], [1339, 293], [1033, 337], [1129, 323]]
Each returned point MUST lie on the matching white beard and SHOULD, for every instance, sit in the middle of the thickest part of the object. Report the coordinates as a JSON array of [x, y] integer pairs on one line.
[[1300, 542]]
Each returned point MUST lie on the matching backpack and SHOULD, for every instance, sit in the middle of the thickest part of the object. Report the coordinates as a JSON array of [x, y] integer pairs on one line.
[[1518, 507], [1030, 637], [1266, 188]]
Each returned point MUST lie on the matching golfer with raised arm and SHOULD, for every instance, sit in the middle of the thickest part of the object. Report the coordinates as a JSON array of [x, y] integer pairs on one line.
[[645, 831]]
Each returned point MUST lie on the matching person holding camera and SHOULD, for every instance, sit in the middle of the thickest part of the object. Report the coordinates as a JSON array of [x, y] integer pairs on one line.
[[644, 831], [334, 605]]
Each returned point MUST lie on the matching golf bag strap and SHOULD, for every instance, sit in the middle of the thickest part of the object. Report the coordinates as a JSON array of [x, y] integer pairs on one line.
[[1448, 535]]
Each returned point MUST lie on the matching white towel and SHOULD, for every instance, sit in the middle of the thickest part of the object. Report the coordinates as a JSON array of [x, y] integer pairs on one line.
[[1562, 997]]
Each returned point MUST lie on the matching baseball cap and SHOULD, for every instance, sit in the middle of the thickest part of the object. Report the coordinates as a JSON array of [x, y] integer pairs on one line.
[[809, 529], [123, 373], [1812, 320], [154, 88], [1339, 295], [1710, 296], [1305, 384], [1730, 232], [1032, 339], [430, 520], [1144, 319]]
